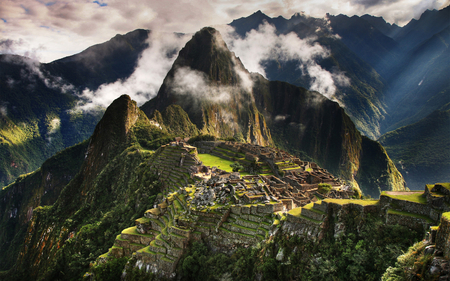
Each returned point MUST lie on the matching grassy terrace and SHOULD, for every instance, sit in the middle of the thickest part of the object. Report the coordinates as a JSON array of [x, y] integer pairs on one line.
[[239, 233], [352, 201], [132, 230], [395, 212], [310, 207], [143, 220], [147, 250], [446, 215], [223, 164], [296, 212], [412, 197]]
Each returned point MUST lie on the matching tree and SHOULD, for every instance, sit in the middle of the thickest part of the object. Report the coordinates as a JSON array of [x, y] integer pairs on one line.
[[236, 166]]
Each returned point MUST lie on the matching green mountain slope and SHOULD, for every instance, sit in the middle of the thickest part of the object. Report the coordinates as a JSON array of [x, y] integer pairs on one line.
[[421, 151], [39, 188], [363, 99], [113, 185], [37, 117]]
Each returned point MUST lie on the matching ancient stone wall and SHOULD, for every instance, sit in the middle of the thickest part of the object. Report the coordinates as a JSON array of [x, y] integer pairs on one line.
[[410, 207], [443, 235]]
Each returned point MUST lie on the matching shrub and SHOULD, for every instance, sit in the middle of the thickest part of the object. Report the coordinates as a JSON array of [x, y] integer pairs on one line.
[[324, 188]]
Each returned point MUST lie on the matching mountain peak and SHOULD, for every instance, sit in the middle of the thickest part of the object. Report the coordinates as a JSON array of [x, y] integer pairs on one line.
[[111, 134], [207, 52]]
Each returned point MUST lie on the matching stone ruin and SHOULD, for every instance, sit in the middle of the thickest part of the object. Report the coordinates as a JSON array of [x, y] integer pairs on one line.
[[199, 201]]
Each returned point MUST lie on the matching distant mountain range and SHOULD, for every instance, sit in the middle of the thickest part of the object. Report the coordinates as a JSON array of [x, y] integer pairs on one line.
[[397, 77]]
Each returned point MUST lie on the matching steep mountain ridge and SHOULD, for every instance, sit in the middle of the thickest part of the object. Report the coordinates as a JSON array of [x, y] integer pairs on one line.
[[112, 178], [37, 117], [303, 122], [210, 84], [363, 97], [102, 63], [421, 150]]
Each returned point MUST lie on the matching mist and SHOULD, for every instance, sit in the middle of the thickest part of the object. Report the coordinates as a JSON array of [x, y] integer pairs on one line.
[[147, 77], [264, 44]]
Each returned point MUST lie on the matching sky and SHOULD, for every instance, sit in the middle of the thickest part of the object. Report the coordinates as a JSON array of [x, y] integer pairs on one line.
[[49, 30]]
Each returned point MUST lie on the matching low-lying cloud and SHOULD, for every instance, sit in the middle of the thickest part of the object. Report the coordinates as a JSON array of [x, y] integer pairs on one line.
[[265, 44], [194, 83], [146, 79], [31, 72]]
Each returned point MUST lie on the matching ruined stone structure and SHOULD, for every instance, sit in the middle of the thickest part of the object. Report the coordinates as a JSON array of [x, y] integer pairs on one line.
[[228, 211]]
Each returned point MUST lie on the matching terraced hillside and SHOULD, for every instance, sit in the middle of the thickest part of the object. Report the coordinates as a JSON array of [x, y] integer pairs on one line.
[[228, 211]]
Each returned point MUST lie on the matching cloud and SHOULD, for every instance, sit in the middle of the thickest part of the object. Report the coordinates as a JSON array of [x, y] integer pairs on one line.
[[68, 27], [193, 83], [3, 110], [32, 71], [265, 44], [53, 127], [146, 79]]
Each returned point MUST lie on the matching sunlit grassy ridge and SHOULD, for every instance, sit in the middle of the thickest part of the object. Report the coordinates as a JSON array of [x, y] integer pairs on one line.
[[413, 197]]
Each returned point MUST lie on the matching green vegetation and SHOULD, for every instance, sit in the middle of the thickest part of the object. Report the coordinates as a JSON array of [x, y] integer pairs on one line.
[[236, 167], [416, 197], [212, 160], [324, 188], [110, 270], [357, 255], [413, 263], [402, 213], [352, 201]]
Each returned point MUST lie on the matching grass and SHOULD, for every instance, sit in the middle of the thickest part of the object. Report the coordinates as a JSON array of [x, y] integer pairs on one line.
[[130, 230], [223, 164], [310, 207], [413, 197], [143, 220], [147, 250], [178, 206], [238, 233], [296, 212], [118, 237], [212, 160], [352, 201], [401, 213], [445, 185], [446, 215]]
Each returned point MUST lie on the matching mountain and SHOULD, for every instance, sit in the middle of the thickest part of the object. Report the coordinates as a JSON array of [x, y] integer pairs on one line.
[[39, 114], [367, 42], [305, 123], [210, 84], [363, 98], [418, 31], [384, 27], [38, 117], [398, 75], [421, 150], [103, 63], [105, 179], [421, 86], [115, 184]]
